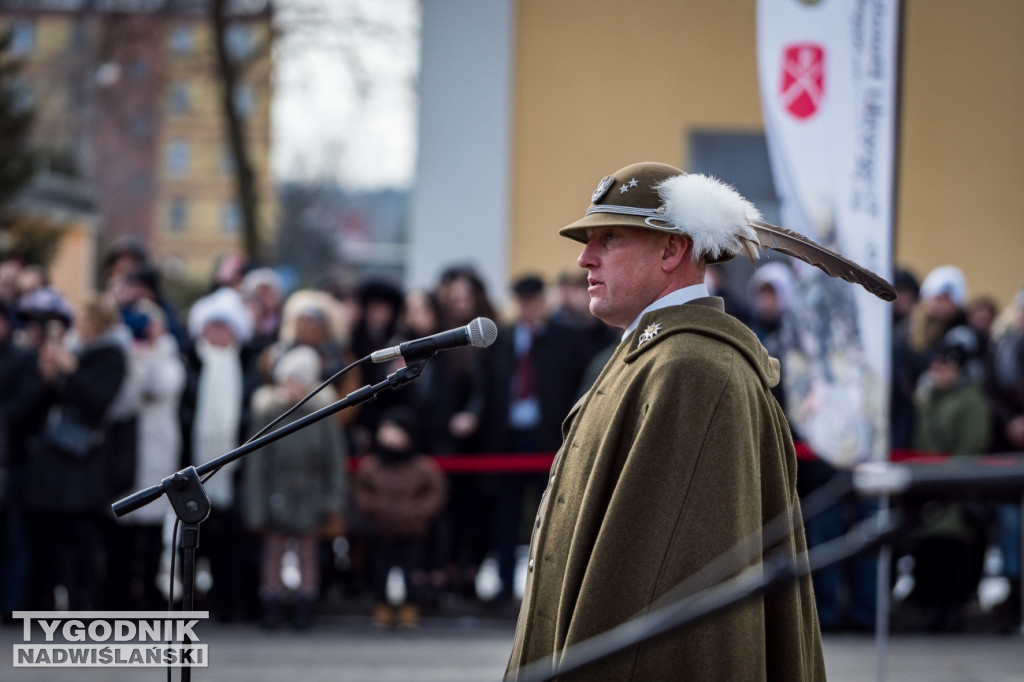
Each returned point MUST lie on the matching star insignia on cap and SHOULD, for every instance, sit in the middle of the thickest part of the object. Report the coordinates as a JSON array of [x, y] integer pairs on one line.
[[649, 333], [627, 185]]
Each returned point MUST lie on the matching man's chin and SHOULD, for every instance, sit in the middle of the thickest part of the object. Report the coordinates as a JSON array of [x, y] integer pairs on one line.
[[601, 313]]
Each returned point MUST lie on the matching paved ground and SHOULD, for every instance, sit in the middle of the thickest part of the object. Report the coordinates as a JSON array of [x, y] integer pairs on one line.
[[458, 649]]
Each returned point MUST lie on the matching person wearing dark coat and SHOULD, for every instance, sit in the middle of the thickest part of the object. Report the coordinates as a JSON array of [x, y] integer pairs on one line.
[[71, 490], [528, 418], [21, 416], [535, 367], [379, 303], [448, 395], [678, 455], [448, 398]]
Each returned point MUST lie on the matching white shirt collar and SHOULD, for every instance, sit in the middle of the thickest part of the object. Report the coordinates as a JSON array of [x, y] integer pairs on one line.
[[677, 297]]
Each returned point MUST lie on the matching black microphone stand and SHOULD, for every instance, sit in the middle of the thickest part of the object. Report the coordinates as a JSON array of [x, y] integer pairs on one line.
[[190, 502]]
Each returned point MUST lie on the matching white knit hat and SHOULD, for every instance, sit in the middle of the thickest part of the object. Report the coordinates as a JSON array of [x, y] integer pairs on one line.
[[779, 276], [946, 280], [224, 305], [301, 365]]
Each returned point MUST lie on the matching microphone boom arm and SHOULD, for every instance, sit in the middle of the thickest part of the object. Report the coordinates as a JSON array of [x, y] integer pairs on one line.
[[367, 393]]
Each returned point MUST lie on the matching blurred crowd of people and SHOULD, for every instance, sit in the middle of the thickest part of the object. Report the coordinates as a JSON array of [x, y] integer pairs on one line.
[[957, 389], [112, 394]]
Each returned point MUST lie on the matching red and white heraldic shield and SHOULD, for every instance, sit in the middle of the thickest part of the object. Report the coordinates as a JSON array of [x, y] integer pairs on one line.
[[802, 86]]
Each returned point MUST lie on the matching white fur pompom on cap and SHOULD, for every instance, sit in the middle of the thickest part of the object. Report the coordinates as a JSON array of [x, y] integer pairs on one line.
[[713, 214]]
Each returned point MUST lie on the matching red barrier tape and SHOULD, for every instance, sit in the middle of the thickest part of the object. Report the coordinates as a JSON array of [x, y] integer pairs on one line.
[[503, 463], [803, 451], [488, 464]]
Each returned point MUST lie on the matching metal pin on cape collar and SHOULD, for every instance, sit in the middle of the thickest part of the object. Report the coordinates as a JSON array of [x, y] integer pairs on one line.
[[649, 333]]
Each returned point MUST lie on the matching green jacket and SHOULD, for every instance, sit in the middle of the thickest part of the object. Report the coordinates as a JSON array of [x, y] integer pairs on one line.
[[958, 422], [676, 454], [292, 485]]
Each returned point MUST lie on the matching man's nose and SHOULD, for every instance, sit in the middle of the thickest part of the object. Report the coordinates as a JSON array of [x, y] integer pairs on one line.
[[586, 258]]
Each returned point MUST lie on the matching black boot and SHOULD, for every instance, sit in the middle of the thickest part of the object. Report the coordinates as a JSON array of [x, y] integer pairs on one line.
[[271, 613], [1007, 613], [302, 619]]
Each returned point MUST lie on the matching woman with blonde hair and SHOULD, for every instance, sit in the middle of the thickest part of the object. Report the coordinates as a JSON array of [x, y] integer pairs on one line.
[[940, 308], [316, 319]]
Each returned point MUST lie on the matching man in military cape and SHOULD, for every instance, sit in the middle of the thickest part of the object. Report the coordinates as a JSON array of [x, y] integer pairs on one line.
[[677, 454]]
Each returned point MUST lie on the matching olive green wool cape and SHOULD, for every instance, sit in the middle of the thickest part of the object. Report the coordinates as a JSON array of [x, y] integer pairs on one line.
[[676, 454]]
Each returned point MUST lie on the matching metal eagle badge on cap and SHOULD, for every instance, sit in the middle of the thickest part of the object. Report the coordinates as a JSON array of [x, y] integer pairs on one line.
[[602, 188], [649, 333]]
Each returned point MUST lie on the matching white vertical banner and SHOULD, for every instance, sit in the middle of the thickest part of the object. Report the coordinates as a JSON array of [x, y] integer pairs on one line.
[[828, 73]]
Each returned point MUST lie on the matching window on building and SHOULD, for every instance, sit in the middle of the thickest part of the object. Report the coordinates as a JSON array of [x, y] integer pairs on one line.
[[227, 161], [182, 39], [22, 97], [139, 185], [79, 34], [141, 126], [23, 36], [177, 214], [742, 159], [179, 101], [178, 153], [240, 41], [230, 218], [139, 69], [244, 100], [78, 96]]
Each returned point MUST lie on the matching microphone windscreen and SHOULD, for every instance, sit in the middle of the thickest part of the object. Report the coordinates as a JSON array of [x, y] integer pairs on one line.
[[482, 332]]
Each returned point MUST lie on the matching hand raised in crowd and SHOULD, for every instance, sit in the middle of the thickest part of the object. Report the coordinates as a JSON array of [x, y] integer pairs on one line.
[[56, 359], [463, 424], [1015, 431]]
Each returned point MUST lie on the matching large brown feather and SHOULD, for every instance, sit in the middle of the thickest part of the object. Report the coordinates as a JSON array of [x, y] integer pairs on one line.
[[795, 244]]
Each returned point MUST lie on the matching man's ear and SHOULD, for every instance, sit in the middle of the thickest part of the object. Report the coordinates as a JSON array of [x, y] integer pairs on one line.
[[676, 251]]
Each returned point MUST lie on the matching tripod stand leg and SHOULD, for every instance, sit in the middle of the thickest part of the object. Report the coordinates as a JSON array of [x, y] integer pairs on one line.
[[191, 505], [189, 543]]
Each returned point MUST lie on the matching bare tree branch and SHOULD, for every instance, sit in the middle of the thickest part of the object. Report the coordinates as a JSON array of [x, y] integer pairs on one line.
[[245, 181]]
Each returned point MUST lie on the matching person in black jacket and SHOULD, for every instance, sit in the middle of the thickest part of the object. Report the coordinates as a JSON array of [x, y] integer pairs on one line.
[[447, 401], [534, 368], [70, 490], [21, 416]]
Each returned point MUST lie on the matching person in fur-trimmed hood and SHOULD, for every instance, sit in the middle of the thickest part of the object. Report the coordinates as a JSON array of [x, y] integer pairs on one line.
[[677, 455]]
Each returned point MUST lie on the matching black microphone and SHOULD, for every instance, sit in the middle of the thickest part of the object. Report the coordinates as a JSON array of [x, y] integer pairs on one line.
[[988, 477], [480, 333]]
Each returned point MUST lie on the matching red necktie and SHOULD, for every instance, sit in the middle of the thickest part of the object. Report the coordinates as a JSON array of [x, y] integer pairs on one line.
[[524, 386]]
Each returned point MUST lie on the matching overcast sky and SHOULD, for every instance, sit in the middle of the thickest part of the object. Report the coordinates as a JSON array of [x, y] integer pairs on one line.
[[345, 97]]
